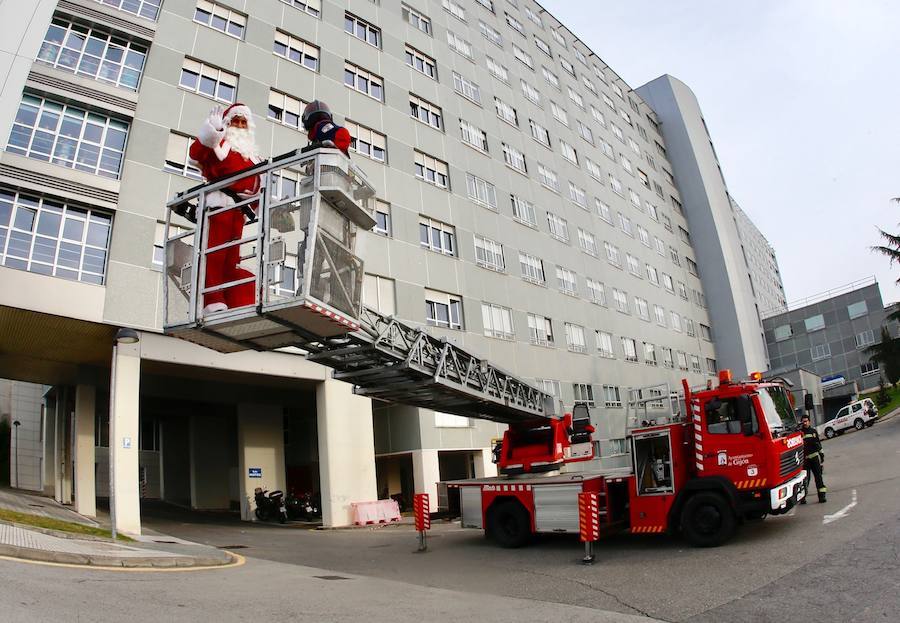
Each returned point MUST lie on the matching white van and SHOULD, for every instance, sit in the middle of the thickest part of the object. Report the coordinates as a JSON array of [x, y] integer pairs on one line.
[[856, 415]]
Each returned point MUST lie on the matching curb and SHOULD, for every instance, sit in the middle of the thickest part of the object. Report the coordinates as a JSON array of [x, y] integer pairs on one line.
[[62, 534], [101, 560]]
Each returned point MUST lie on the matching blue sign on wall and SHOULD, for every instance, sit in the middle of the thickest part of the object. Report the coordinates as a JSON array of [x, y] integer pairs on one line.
[[254, 472]]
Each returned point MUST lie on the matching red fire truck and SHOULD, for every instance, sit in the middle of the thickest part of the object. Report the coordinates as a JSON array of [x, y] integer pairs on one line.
[[720, 456]]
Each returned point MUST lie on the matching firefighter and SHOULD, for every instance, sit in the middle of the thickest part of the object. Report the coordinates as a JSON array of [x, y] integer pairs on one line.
[[815, 458], [321, 128]]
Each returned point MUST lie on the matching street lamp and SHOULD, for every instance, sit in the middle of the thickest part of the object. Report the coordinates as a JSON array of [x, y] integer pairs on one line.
[[125, 335], [16, 425]]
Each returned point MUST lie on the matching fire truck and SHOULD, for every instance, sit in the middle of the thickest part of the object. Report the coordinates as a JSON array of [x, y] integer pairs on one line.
[[729, 454], [722, 455]]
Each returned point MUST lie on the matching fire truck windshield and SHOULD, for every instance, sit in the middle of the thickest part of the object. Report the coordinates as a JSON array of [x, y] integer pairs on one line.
[[777, 409]]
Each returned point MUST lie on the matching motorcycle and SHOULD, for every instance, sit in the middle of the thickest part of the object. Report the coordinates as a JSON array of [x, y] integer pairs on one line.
[[269, 505], [303, 507]]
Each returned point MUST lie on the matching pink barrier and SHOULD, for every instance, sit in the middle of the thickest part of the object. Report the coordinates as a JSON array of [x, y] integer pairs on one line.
[[379, 511]]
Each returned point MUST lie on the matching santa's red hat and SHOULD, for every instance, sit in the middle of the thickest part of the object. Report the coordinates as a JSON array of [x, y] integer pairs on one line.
[[238, 110]]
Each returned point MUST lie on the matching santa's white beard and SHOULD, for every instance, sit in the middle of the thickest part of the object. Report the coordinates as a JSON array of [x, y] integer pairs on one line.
[[242, 141]]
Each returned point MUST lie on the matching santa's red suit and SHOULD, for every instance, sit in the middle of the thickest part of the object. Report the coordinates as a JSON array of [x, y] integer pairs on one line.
[[221, 151]]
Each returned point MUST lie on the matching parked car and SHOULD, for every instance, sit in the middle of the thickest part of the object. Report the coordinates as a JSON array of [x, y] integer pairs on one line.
[[856, 415]]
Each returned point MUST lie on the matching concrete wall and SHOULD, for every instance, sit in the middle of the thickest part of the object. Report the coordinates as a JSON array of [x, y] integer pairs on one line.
[[26, 441], [212, 457], [260, 447]]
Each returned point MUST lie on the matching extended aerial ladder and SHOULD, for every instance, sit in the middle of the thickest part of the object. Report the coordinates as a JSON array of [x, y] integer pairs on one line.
[[300, 252]]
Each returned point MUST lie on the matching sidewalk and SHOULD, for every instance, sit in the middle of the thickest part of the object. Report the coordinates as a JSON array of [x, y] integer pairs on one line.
[[147, 551]]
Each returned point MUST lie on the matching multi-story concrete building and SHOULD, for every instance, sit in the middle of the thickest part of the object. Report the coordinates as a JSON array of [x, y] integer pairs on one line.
[[828, 334], [527, 211], [762, 265], [734, 308]]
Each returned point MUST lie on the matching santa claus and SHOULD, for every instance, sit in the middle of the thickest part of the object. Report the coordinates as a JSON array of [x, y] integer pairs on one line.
[[225, 146]]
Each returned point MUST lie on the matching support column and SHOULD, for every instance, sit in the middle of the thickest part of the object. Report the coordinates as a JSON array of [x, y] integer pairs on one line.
[[85, 487], [49, 436], [484, 464], [426, 473], [260, 452], [346, 451], [124, 428]]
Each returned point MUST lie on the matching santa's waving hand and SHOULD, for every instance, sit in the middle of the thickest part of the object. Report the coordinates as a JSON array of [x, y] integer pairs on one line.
[[224, 146]]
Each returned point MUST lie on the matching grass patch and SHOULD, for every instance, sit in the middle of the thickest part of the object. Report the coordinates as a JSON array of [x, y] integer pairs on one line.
[[893, 392], [56, 524]]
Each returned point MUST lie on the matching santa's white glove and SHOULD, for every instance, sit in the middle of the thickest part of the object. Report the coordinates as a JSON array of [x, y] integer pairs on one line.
[[215, 118], [211, 132]]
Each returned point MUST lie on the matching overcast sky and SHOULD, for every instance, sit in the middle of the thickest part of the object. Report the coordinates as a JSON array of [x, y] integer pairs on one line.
[[802, 99]]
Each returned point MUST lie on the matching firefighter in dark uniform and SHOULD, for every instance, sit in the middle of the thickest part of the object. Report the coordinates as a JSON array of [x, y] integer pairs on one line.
[[812, 448]]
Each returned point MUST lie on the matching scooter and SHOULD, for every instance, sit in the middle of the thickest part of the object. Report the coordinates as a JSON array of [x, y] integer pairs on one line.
[[269, 505], [302, 507]]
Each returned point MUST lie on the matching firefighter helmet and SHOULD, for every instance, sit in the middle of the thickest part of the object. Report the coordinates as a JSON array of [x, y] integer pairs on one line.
[[314, 111]]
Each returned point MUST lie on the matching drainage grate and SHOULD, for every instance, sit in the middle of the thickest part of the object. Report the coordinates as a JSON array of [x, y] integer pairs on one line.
[[330, 577], [172, 542], [231, 547]]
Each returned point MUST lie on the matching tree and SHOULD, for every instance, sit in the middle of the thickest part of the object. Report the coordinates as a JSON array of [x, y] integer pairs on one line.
[[887, 353], [883, 397], [891, 250]]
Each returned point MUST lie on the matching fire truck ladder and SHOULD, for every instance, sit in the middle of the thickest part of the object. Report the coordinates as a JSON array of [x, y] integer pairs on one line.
[[298, 255]]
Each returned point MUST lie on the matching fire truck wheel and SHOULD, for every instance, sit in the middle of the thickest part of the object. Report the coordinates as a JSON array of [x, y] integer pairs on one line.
[[509, 524], [859, 424], [707, 520], [829, 433]]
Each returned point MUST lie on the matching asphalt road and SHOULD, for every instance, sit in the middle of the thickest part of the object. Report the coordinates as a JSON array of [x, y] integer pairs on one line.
[[824, 562]]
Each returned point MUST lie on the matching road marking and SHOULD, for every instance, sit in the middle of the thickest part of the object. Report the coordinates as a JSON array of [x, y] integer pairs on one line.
[[827, 519], [237, 562]]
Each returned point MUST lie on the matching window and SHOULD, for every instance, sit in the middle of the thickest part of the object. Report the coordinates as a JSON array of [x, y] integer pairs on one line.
[[621, 300], [691, 266], [575, 337], [682, 360], [578, 195], [363, 81], [68, 136], [489, 254], [531, 94], [865, 338], [497, 321], [497, 70], [594, 170], [367, 142], [625, 116], [515, 24], [642, 308], [660, 246], [634, 266], [585, 133], [584, 393], [559, 114], [673, 255], [416, 19], [459, 45], [616, 185], [626, 225], [472, 136], [603, 210], [437, 236], [576, 98], [660, 315], [814, 323], [534, 17], [454, 9], [783, 332], [608, 101], [668, 175], [488, 4], [559, 227], [491, 34], [382, 218], [598, 116], [676, 321], [668, 362], [541, 45], [506, 112], [855, 310], [378, 293], [711, 366], [467, 89], [870, 367], [443, 310], [558, 37], [650, 354], [612, 254], [313, 7], [481, 192], [550, 77], [220, 18], [568, 152], [514, 158], [596, 291], [426, 112], [421, 62], [296, 50], [362, 30], [668, 284], [94, 53], [607, 150], [523, 56], [532, 268], [52, 237], [523, 211], [206, 80], [549, 386], [689, 327], [695, 364], [431, 170], [565, 281], [590, 85], [820, 351], [548, 178], [587, 242], [285, 109], [449, 420], [567, 66], [643, 236], [611, 396], [617, 132], [604, 344], [177, 159], [652, 274], [141, 8], [705, 332], [540, 330]]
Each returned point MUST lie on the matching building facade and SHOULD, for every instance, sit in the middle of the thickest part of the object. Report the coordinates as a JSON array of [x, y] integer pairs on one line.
[[527, 211], [765, 276]]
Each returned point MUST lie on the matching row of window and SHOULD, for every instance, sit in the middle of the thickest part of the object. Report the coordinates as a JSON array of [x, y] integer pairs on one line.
[[817, 321]]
